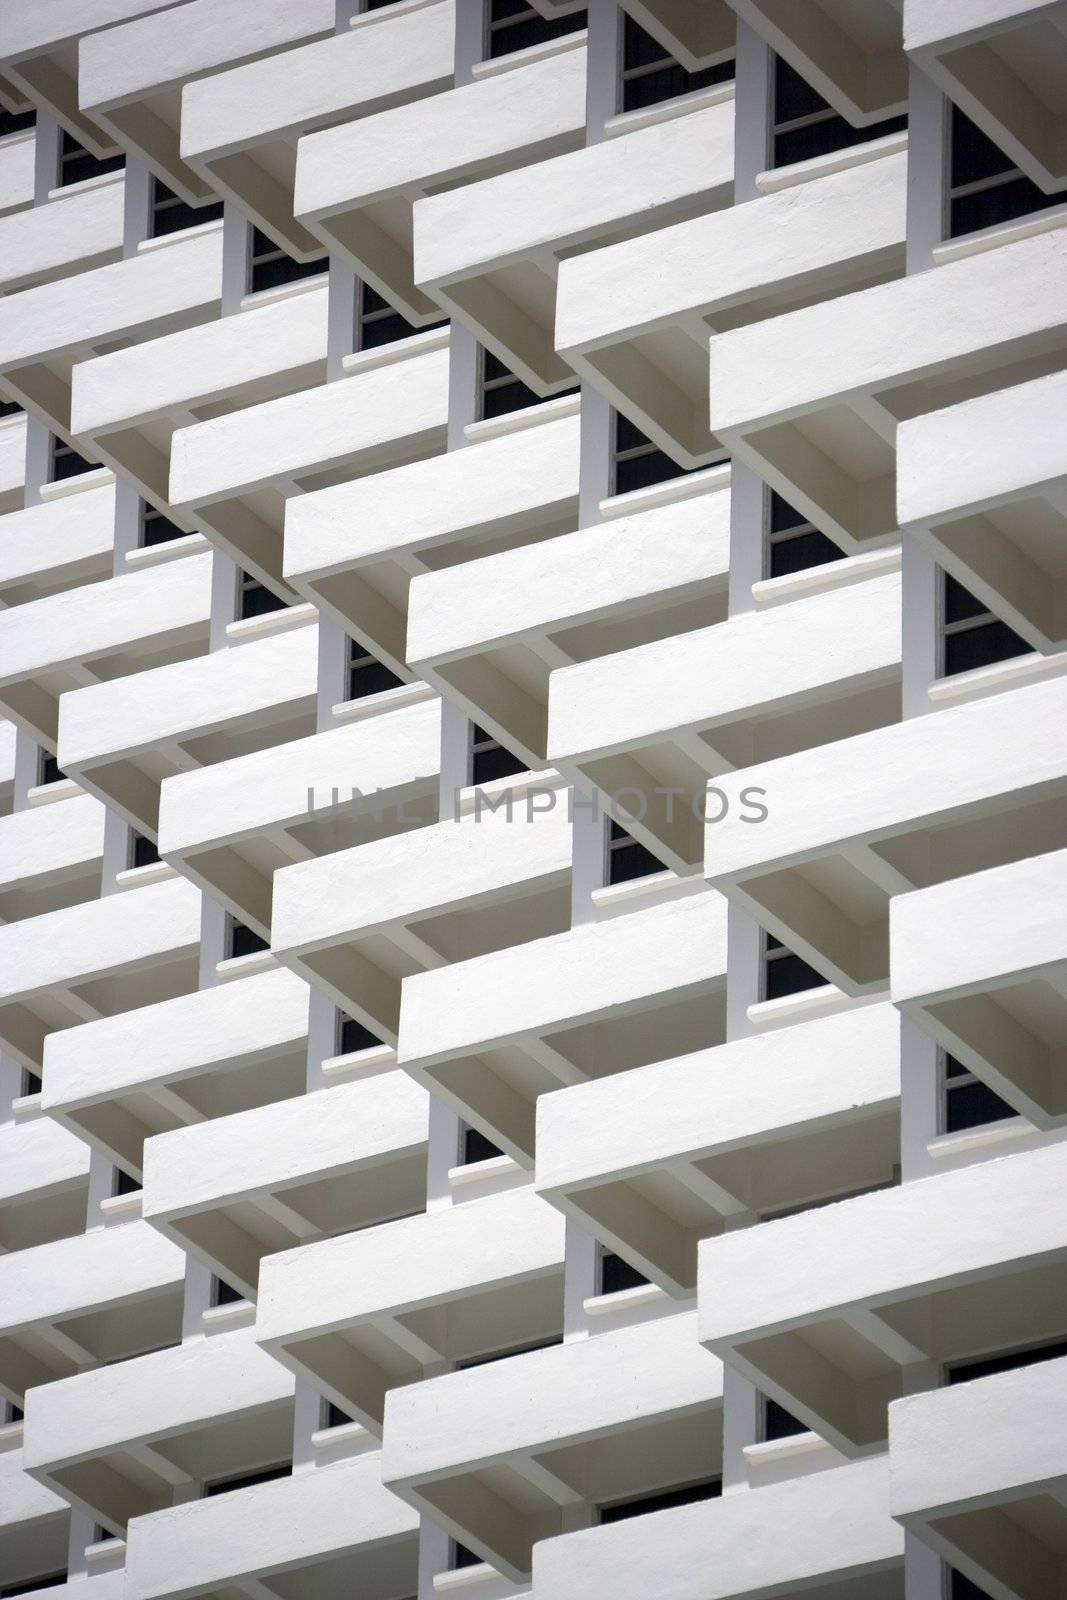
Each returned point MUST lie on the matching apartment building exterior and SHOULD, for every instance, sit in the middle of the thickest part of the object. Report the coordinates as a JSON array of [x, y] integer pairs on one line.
[[533, 965]]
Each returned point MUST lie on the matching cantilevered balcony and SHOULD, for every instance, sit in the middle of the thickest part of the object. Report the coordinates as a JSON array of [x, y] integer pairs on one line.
[[357, 183], [93, 960], [240, 129], [335, 1525], [95, 1298], [357, 923], [230, 826], [355, 549], [979, 1472], [99, 633], [812, 399], [44, 1180], [498, 1453], [841, 1541], [634, 319], [982, 486], [647, 727], [489, 252], [70, 233], [117, 1081], [131, 78], [34, 1523], [823, 1311], [1004, 66], [50, 857], [851, 53], [57, 544], [122, 739], [489, 632], [122, 1440], [489, 1035], [234, 473], [996, 1000], [654, 1160], [363, 1312], [851, 824], [236, 1189]]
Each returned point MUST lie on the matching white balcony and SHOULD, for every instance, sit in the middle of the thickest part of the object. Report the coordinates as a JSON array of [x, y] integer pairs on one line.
[[489, 252], [356, 184], [40, 56], [697, 36], [45, 331], [99, 634], [335, 1526], [12, 462], [996, 996], [649, 726], [94, 960], [360, 921], [983, 487], [240, 129], [823, 1311], [851, 53], [489, 1035], [832, 1534], [34, 1524], [853, 823], [236, 1189], [57, 544], [634, 318], [489, 633], [95, 1298], [120, 1441], [497, 1453], [1002, 64], [363, 1312], [122, 739], [654, 1160], [127, 405], [229, 1048], [17, 152], [979, 1472], [130, 79], [50, 857], [44, 1182], [355, 549], [231, 826], [234, 474], [71, 233], [811, 399]]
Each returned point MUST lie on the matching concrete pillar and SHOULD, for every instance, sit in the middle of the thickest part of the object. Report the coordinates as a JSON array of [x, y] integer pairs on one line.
[[603, 59]]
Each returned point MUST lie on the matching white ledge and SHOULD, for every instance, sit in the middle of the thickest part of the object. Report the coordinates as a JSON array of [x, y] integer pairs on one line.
[[46, 794], [386, 355], [121, 1207], [478, 1171], [367, 19], [373, 705], [805, 1003], [96, 479], [534, 52], [787, 1449], [280, 621], [153, 555], [465, 1578], [213, 225], [831, 575], [950, 1145], [667, 493], [243, 966], [857, 155], [284, 291], [101, 180], [716, 94], [135, 877], [1002, 674], [563, 405], [973, 244], [369, 1063], [236, 1312], [642, 1294]]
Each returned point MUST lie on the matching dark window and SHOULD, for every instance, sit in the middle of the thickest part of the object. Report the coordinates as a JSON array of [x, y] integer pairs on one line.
[[967, 1102], [334, 1417], [124, 1182], [366, 674], [242, 941], [48, 770], [143, 852], [615, 1274], [490, 759], [9, 408], [67, 463], [972, 636], [501, 391], [379, 322], [460, 1556], [961, 1588], [172, 214], [784, 973], [76, 164], [31, 1082], [515, 25], [794, 543], [985, 185], [626, 858], [710, 1489], [30, 1584], [966, 1371], [805, 125], [254, 599], [15, 122], [156, 528], [224, 1294], [11, 1412], [247, 1479], [352, 1036], [102, 1535], [637, 462], [474, 1146], [651, 75], [270, 266], [778, 1423]]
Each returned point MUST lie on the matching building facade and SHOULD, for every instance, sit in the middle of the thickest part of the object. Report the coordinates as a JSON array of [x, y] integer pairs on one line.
[[533, 965]]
